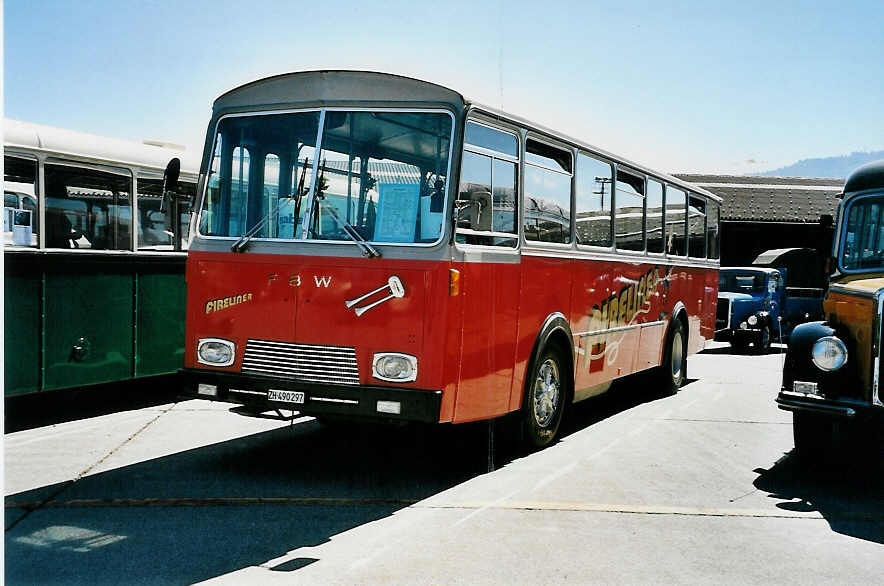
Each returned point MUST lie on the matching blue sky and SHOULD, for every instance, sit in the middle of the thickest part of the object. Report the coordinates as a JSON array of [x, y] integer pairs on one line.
[[679, 86]]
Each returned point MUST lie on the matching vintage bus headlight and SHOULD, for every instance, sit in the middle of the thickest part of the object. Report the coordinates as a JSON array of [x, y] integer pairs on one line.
[[394, 367], [215, 352], [829, 353], [752, 320]]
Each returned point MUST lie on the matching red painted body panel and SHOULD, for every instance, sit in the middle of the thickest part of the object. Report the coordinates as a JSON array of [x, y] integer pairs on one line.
[[475, 346]]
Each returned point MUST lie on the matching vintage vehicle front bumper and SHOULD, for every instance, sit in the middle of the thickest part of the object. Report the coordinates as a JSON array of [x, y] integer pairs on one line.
[[840, 408], [344, 401]]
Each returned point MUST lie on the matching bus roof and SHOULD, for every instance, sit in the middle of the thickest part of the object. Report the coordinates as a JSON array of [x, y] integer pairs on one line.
[[869, 176], [92, 147], [289, 90]]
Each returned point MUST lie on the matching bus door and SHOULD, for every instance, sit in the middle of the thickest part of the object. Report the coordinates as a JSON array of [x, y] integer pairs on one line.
[[486, 239]]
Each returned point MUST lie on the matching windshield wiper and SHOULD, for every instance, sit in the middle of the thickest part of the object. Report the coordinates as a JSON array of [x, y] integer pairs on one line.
[[242, 243], [350, 230]]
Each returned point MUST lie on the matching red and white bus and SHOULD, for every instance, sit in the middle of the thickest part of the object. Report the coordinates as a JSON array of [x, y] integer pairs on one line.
[[374, 246]]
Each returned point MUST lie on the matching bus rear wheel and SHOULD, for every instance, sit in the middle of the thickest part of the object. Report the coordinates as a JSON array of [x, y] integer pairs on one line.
[[545, 398], [672, 372]]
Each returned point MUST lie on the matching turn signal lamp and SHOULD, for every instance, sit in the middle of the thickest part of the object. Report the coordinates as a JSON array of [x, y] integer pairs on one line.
[[829, 353], [453, 282]]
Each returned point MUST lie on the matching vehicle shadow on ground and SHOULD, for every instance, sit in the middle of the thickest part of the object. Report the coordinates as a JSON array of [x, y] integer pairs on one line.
[[848, 493], [210, 511], [53, 407]]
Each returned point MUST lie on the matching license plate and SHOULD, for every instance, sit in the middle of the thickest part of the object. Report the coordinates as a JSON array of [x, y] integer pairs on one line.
[[805, 387], [296, 397]]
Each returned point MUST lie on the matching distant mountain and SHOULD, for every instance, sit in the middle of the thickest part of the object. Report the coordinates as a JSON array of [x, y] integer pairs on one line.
[[836, 167]]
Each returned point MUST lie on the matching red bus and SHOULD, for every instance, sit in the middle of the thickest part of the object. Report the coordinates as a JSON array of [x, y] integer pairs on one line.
[[374, 246]]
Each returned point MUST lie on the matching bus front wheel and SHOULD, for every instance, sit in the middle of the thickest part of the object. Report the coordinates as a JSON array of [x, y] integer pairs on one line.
[[545, 398]]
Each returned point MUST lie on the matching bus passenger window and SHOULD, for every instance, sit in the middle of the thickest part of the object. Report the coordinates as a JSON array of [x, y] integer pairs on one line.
[[654, 215], [547, 193], [713, 238], [20, 220], [486, 199], [87, 208], [675, 221], [697, 227], [593, 211], [629, 217]]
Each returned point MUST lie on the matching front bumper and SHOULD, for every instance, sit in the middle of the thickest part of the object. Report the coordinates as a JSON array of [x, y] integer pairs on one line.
[[346, 401], [836, 408], [748, 335]]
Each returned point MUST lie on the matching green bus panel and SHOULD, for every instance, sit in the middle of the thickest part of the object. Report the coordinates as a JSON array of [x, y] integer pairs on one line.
[[160, 311], [88, 334], [21, 351]]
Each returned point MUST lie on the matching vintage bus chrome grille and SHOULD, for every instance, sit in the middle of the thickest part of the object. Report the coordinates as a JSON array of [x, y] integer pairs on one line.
[[303, 362], [723, 314]]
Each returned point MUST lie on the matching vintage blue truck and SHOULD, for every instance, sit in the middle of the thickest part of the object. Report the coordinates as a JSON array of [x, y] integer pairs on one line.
[[755, 305]]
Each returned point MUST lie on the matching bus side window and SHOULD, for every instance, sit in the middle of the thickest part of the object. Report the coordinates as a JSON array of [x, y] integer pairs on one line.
[[87, 208], [547, 193], [486, 199], [697, 227], [593, 211], [712, 231], [629, 215], [21, 223], [655, 223], [675, 221]]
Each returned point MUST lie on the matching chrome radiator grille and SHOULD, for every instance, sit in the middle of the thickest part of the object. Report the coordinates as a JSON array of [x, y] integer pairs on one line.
[[723, 314], [315, 364]]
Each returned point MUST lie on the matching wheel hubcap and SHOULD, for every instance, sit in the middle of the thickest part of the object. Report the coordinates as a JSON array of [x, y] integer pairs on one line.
[[547, 390], [677, 356]]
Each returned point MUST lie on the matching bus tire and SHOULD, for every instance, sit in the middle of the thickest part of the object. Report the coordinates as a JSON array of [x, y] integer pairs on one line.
[[545, 395], [673, 371]]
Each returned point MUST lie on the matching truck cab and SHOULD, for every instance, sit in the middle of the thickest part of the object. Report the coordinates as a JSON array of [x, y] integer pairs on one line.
[[751, 301]]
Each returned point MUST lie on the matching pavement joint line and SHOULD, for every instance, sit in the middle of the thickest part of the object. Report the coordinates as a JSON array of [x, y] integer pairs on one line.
[[36, 505], [725, 421], [499, 504]]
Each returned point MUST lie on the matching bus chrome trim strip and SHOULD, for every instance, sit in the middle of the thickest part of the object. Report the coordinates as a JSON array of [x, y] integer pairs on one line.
[[610, 330], [305, 362], [621, 257], [330, 400]]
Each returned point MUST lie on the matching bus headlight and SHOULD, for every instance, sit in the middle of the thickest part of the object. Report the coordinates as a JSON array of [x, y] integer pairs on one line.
[[394, 367], [215, 352], [752, 320], [829, 353]]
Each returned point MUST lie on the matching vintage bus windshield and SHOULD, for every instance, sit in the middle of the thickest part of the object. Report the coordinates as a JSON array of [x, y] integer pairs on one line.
[[863, 243], [382, 172]]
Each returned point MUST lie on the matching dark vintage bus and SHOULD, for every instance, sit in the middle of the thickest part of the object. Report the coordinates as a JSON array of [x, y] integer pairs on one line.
[[374, 246], [832, 374], [94, 281]]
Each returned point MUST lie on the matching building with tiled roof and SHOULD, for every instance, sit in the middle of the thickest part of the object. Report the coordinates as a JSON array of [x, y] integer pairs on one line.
[[764, 213]]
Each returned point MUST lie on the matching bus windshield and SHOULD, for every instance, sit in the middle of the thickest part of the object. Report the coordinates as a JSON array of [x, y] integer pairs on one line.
[[382, 174], [863, 243]]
